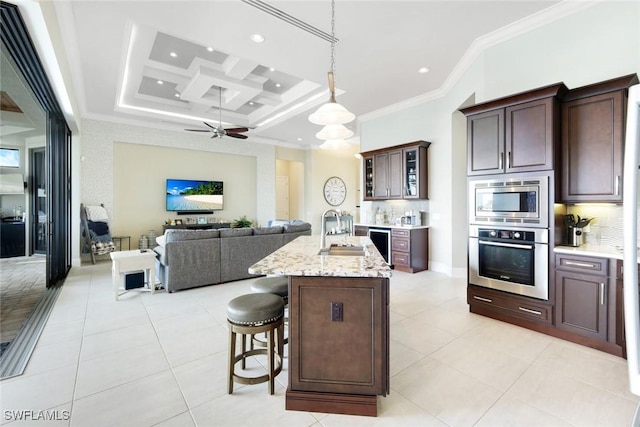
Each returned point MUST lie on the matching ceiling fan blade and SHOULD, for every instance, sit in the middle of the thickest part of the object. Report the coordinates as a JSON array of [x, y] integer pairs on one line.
[[211, 126], [237, 130], [237, 135], [198, 130]]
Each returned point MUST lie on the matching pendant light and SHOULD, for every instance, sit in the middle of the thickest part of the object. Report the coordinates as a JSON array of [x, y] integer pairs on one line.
[[332, 115]]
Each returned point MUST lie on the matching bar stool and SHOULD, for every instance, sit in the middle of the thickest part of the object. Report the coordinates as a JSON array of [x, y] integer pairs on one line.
[[252, 314], [276, 285]]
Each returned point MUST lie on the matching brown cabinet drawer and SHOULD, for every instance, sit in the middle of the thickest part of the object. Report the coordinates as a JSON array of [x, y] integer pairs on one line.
[[582, 264], [509, 304], [400, 244], [400, 259], [399, 232]]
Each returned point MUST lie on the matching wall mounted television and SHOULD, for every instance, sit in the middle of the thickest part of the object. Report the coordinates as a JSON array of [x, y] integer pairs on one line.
[[187, 196], [9, 157]]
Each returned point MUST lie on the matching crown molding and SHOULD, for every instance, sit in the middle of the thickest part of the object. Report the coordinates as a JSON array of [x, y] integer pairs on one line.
[[479, 45]]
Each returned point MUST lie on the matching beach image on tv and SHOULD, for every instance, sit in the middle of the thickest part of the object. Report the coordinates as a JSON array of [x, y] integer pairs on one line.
[[188, 195]]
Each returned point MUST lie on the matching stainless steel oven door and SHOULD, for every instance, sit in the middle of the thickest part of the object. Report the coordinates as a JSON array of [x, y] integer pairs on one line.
[[517, 267]]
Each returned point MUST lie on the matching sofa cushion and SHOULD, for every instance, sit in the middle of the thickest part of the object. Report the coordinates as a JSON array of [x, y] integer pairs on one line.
[[177, 235], [277, 222], [161, 240], [291, 228], [267, 230], [236, 232]]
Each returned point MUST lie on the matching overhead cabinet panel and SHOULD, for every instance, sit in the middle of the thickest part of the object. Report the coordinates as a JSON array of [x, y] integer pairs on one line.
[[514, 134], [398, 172]]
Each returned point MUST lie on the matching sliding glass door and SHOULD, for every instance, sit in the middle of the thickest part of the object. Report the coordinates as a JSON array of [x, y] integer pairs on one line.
[[51, 170]]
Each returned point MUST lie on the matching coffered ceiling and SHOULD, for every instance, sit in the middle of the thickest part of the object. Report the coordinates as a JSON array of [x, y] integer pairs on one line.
[[162, 63]]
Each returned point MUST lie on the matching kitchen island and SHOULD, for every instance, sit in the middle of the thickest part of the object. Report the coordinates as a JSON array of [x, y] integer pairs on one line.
[[338, 323]]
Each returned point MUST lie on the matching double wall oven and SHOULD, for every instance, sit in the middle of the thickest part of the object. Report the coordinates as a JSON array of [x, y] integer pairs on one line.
[[509, 235]]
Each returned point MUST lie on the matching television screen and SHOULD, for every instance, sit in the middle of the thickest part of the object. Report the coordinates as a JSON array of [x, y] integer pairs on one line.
[[185, 195], [10, 157]]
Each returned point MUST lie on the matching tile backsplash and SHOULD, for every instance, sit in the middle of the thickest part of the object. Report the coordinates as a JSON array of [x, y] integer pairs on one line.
[[606, 228]]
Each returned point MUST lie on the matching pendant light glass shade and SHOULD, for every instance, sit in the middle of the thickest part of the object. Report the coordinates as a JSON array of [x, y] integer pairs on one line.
[[334, 132], [331, 113]]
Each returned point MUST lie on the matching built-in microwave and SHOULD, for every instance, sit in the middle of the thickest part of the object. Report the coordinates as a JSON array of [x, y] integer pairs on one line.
[[515, 200]]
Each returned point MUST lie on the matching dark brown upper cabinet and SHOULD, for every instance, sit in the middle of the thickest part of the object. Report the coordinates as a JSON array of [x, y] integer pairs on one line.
[[398, 172], [514, 134], [593, 123]]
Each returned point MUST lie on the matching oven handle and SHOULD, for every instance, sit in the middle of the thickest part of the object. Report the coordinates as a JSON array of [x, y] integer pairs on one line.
[[505, 245]]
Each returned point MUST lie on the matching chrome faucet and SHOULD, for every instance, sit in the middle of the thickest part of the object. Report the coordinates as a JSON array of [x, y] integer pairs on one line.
[[323, 231]]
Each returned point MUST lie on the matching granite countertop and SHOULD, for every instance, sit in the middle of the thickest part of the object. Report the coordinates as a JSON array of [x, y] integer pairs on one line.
[[392, 226], [300, 258]]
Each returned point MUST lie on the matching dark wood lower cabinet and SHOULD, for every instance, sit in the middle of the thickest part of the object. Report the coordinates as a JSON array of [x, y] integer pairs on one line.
[[338, 344], [586, 305], [410, 249], [523, 311]]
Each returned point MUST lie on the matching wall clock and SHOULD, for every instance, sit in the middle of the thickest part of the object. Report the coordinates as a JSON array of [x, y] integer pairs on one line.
[[335, 191]]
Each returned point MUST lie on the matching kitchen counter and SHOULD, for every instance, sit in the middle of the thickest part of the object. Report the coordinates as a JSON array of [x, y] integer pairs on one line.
[[591, 250], [409, 227], [338, 311], [300, 258]]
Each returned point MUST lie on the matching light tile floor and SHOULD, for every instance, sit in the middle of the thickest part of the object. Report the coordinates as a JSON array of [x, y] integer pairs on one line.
[[160, 360]]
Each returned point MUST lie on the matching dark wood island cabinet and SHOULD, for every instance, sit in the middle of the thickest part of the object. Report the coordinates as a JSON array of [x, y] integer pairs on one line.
[[338, 325]]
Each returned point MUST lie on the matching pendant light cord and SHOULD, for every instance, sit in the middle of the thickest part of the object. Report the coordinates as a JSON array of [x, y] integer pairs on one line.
[[333, 36]]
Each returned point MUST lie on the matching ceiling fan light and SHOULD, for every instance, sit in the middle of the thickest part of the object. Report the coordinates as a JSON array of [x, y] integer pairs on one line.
[[334, 132], [331, 113]]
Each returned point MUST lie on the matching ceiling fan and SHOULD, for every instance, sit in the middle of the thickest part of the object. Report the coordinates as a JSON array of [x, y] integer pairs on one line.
[[219, 131]]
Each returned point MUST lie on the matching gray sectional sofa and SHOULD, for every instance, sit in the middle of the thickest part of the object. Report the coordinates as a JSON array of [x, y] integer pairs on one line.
[[192, 258]]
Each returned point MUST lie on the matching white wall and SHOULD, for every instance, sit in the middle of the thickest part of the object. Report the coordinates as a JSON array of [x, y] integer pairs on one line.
[[595, 44]]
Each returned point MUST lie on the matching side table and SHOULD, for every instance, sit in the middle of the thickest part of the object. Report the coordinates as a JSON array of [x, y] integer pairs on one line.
[[125, 261], [119, 239]]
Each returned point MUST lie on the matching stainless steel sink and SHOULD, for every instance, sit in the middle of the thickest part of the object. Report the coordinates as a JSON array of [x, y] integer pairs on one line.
[[343, 250]]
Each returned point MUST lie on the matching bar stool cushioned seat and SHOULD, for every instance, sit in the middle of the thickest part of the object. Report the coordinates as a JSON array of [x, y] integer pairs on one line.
[[278, 285], [248, 315]]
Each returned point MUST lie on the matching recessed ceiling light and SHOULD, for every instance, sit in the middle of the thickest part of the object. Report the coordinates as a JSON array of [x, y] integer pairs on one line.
[[173, 54], [160, 82], [299, 139], [278, 85], [210, 49], [250, 102], [272, 69], [177, 95], [258, 38], [423, 70]]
